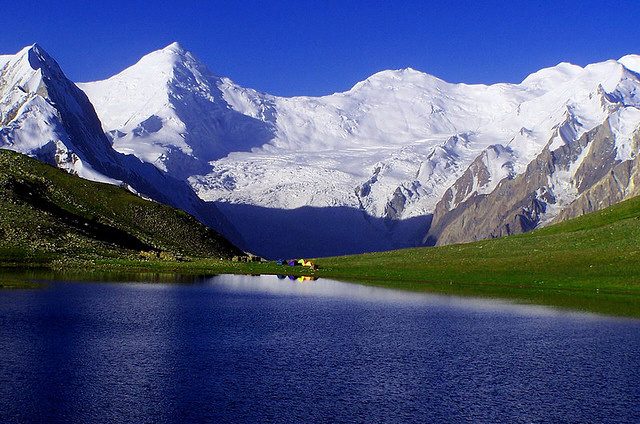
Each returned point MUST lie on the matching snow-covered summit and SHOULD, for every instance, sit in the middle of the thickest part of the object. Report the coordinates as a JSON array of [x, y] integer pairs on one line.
[[176, 48], [34, 95], [146, 84], [167, 109], [631, 62]]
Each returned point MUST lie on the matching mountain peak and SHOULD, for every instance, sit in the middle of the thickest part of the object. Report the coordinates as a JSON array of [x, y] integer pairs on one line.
[[396, 77], [398, 73], [169, 57], [552, 76], [174, 47], [29, 67], [631, 62], [38, 58], [156, 68], [38, 55], [35, 53]]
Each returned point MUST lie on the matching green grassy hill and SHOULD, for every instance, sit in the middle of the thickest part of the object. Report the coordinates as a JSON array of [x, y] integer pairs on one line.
[[601, 249], [591, 262], [48, 215]]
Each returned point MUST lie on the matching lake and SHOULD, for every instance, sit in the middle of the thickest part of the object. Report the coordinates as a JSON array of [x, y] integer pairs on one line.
[[243, 349]]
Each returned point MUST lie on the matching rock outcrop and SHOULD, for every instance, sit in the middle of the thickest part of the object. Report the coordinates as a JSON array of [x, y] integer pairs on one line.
[[597, 178]]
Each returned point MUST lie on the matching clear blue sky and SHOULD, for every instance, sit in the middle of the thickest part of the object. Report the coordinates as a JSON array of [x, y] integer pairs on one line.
[[320, 47]]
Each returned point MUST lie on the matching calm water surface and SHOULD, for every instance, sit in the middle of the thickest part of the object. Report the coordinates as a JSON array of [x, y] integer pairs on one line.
[[238, 349]]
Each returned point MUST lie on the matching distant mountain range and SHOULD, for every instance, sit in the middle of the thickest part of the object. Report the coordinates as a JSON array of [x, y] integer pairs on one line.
[[402, 159]]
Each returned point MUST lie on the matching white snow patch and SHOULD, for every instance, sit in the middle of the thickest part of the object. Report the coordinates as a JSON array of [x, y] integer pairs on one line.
[[625, 124]]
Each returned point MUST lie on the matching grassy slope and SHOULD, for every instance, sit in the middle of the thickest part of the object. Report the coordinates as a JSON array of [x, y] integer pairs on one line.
[[50, 216], [598, 251], [591, 262]]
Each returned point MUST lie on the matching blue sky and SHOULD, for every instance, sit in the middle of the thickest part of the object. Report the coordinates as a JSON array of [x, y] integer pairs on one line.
[[320, 47]]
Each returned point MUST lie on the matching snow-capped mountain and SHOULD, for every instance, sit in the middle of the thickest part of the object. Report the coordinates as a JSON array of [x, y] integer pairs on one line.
[[368, 169], [597, 136], [170, 110], [44, 115], [34, 96]]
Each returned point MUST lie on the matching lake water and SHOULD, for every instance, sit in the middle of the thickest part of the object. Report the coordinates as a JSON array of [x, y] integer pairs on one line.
[[241, 349]]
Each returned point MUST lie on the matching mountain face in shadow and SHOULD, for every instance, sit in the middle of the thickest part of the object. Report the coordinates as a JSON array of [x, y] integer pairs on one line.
[[315, 232]]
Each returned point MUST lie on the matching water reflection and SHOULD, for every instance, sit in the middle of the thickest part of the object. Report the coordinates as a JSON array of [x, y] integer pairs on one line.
[[267, 349], [45, 274], [299, 278], [326, 288]]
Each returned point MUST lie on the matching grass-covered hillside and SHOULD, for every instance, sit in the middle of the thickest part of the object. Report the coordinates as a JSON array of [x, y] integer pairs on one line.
[[599, 250], [591, 262], [47, 215]]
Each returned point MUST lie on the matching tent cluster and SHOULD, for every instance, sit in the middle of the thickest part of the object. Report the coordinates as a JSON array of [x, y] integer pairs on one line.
[[298, 262]]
